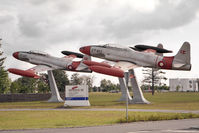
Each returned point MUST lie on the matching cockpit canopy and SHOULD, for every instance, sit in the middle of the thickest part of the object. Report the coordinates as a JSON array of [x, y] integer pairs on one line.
[[36, 52], [109, 45]]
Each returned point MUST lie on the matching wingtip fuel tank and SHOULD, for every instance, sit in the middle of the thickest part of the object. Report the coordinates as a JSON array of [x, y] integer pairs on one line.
[[23, 73]]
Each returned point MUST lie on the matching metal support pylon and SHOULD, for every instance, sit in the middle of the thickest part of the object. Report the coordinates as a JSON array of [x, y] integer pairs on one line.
[[55, 97], [138, 97], [123, 90]]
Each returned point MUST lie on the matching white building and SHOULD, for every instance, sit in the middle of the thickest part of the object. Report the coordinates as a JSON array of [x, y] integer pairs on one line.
[[184, 84]]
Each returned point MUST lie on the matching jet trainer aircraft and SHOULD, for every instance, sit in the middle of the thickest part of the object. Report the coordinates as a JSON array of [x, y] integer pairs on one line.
[[127, 58], [47, 62]]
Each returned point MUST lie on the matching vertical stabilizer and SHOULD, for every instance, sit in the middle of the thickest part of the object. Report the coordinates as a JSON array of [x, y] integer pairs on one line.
[[183, 54]]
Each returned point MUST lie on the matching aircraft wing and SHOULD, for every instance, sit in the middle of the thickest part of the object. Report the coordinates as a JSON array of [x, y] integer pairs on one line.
[[40, 68], [125, 66]]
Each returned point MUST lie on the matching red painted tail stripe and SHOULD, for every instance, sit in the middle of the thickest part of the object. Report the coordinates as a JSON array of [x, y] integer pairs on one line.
[[167, 62]]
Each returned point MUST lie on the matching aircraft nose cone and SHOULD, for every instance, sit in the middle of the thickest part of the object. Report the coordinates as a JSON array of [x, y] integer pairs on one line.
[[85, 50], [16, 55]]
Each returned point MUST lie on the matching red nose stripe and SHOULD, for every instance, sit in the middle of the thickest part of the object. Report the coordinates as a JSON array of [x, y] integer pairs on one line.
[[16, 55], [85, 50], [108, 71]]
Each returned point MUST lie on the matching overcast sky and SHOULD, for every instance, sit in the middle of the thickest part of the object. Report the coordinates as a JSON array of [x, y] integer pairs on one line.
[[56, 25]]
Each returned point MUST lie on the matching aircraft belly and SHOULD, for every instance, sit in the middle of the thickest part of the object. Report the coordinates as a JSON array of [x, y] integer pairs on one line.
[[144, 60]]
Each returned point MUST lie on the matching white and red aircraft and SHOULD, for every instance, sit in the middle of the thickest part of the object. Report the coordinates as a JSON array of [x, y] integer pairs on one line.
[[47, 62], [127, 58]]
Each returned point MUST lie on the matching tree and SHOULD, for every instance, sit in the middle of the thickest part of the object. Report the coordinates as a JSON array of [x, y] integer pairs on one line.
[[76, 79], [2, 59], [15, 87], [61, 79], [96, 89], [30, 85], [153, 77], [107, 85], [26, 85], [4, 79], [88, 80], [43, 85]]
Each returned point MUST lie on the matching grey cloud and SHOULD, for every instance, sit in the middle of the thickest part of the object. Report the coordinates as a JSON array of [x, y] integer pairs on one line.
[[165, 16], [105, 22], [48, 23], [30, 27], [5, 19]]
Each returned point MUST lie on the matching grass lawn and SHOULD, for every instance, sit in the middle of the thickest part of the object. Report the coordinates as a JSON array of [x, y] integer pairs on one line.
[[57, 119], [67, 118], [168, 101]]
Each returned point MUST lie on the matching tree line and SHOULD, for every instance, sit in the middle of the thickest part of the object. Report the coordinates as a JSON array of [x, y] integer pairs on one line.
[[30, 85]]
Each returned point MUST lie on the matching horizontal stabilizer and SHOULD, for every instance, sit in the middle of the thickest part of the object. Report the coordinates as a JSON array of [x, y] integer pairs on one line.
[[178, 65]]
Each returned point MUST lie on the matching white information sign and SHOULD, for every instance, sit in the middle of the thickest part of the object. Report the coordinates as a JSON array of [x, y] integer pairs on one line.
[[76, 95]]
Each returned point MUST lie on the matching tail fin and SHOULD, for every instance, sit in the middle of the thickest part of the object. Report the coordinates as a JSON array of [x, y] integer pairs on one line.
[[182, 59], [183, 54]]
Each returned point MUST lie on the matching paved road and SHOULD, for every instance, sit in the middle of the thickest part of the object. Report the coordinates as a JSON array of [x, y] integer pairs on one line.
[[171, 126], [104, 109]]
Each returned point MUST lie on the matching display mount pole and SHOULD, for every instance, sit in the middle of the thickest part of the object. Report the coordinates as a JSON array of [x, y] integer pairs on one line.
[[126, 76]]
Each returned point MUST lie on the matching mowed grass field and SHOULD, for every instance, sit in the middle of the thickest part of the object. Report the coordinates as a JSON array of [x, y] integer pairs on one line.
[[59, 119], [71, 118], [168, 101]]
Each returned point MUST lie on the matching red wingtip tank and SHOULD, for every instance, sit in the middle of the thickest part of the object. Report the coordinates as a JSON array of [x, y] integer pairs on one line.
[[108, 71], [23, 73]]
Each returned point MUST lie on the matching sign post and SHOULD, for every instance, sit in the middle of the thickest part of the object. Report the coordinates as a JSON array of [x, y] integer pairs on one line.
[[76, 95], [126, 76]]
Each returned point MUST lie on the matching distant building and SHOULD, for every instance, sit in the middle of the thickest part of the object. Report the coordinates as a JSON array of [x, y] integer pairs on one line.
[[185, 84]]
